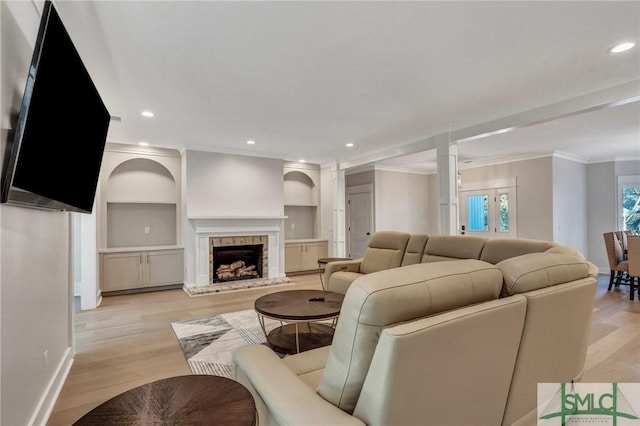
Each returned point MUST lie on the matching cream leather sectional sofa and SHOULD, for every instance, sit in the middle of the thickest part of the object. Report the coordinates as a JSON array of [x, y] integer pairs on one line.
[[456, 342], [391, 249]]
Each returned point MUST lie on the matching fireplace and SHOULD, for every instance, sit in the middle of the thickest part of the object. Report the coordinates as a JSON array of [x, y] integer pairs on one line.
[[239, 257], [231, 263], [215, 231]]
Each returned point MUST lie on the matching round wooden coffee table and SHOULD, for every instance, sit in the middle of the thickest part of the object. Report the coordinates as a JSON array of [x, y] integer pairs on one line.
[[181, 400], [299, 314]]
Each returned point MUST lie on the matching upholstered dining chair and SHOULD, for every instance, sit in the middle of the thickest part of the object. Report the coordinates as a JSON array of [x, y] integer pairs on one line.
[[615, 253], [633, 257], [622, 237]]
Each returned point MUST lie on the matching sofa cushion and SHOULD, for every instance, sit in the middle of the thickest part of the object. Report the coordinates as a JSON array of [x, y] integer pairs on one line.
[[498, 249], [385, 251], [415, 249], [451, 247], [538, 270], [392, 296], [341, 280]]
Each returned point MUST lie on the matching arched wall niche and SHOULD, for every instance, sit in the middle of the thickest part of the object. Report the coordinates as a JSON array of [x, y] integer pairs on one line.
[[300, 189], [141, 180]]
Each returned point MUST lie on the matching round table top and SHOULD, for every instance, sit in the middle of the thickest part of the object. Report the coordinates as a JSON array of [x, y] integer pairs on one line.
[[325, 260], [181, 400], [295, 305]]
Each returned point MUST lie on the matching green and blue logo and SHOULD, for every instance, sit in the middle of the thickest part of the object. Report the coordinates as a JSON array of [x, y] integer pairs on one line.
[[591, 403]]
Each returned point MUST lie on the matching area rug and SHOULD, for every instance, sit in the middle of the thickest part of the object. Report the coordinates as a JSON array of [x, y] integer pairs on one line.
[[208, 343], [236, 285]]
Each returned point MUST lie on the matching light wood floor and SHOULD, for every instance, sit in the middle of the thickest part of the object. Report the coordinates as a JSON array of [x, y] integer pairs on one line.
[[128, 341]]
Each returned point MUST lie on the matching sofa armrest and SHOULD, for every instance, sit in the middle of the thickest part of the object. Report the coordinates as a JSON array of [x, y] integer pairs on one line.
[[341, 265], [287, 398]]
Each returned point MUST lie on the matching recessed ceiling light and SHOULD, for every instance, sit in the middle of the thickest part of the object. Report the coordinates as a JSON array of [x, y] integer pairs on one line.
[[622, 47], [349, 145], [147, 113], [302, 160], [251, 142], [143, 143]]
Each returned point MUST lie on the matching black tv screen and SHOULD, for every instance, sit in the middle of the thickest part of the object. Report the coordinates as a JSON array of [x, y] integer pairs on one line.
[[58, 144]]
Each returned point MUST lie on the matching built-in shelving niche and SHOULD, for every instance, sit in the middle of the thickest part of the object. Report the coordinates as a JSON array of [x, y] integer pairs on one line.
[[300, 206], [141, 205]]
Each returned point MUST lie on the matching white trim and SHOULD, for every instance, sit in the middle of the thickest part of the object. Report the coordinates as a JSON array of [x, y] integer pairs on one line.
[[623, 180], [52, 391], [490, 184], [224, 226]]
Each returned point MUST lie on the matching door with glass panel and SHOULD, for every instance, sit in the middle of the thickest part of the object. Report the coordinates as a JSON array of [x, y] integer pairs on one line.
[[489, 213]]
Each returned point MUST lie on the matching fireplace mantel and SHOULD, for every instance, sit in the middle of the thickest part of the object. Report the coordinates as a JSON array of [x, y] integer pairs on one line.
[[222, 226], [204, 224]]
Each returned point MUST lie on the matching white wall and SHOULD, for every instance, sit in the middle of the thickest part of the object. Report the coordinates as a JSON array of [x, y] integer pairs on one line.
[[570, 203], [327, 205], [229, 185], [35, 277], [401, 201], [233, 185]]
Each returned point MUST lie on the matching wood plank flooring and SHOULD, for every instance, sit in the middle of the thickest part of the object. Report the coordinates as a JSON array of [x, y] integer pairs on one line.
[[128, 341]]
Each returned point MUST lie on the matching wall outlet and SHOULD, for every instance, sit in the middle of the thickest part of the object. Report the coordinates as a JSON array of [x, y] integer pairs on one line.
[[146, 230], [293, 226], [45, 358]]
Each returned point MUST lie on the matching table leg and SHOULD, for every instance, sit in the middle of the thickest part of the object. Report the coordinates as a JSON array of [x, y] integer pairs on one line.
[[321, 272], [261, 321], [297, 339]]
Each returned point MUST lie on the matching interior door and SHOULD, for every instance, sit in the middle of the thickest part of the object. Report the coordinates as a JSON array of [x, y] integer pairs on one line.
[[359, 214], [489, 213]]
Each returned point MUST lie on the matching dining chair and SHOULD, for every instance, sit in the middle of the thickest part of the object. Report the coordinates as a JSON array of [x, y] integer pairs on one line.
[[622, 237], [618, 265], [633, 256]]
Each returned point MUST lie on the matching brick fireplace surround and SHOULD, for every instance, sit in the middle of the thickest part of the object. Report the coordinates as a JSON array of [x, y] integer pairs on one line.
[[210, 231]]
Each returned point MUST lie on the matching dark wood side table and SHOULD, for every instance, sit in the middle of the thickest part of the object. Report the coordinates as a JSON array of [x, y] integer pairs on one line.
[[181, 400], [298, 315], [323, 261]]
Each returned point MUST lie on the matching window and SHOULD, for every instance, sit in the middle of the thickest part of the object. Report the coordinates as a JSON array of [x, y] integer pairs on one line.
[[629, 204], [504, 211]]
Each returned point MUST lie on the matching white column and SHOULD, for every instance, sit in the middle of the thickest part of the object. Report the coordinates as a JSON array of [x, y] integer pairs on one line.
[[339, 227], [448, 203]]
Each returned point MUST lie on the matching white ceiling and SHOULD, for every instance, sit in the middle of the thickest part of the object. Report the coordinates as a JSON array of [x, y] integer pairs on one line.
[[302, 78]]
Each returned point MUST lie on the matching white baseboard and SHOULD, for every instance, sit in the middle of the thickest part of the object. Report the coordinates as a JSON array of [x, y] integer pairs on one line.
[[52, 392]]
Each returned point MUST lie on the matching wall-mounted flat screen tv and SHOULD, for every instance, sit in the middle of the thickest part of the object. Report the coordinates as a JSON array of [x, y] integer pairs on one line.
[[53, 161]]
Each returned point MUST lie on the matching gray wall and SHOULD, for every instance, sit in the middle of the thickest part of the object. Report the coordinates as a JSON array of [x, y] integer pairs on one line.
[[570, 203], [401, 201], [127, 224], [535, 193], [602, 207], [300, 222], [35, 276]]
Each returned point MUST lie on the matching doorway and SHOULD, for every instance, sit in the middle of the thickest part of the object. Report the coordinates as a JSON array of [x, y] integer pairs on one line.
[[359, 219], [489, 213]]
